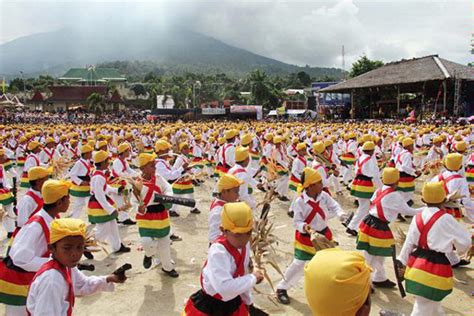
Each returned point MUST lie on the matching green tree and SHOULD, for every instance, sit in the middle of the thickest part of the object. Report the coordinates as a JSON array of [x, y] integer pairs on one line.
[[96, 102], [304, 78], [363, 65]]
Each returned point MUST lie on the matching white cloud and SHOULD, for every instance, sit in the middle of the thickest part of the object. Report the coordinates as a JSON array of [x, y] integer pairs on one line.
[[299, 32]]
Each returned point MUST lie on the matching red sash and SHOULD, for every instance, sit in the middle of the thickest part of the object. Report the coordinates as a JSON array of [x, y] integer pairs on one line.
[[217, 203], [379, 195], [124, 167], [34, 157], [360, 165], [425, 228], [87, 166], [316, 209], [446, 180], [66, 273], [224, 161], [239, 259], [38, 200], [152, 188]]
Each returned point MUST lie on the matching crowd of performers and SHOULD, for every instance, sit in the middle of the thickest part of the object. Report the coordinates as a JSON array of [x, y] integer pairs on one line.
[[54, 177]]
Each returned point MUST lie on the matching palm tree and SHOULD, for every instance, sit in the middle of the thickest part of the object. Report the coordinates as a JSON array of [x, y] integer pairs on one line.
[[259, 87], [96, 103]]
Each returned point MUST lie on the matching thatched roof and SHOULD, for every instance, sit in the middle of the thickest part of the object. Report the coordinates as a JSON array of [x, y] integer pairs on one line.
[[429, 68]]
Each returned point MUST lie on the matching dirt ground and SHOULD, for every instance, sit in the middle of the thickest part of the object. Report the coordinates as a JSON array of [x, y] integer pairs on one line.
[[150, 292]]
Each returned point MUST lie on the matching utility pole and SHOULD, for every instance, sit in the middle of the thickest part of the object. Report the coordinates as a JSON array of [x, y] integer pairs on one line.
[[343, 64], [24, 87]]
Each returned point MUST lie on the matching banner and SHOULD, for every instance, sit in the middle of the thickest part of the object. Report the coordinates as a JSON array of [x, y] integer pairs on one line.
[[213, 111], [248, 109]]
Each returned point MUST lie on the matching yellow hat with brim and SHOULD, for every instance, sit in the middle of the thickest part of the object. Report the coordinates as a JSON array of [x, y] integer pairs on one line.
[[301, 146], [66, 227], [407, 141], [101, 144], [319, 147], [245, 139], [460, 146], [237, 217], [230, 134]]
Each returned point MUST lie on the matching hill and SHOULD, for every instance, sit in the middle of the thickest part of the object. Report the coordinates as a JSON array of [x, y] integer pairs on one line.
[[169, 50]]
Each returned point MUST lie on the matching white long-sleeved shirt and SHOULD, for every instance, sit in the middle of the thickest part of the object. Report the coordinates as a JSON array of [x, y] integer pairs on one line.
[[302, 209], [298, 165], [121, 168], [460, 185], [369, 168], [32, 160], [243, 174], [404, 162], [47, 154], [281, 157], [164, 186], [321, 169], [433, 154], [214, 220], [48, 293], [26, 206], [217, 275], [164, 169], [98, 182], [30, 245], [227, 155], [80, 170], [392, 205], [445, 233]]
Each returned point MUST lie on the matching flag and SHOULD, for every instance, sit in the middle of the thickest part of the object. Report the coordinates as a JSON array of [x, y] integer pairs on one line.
[[281, 110]]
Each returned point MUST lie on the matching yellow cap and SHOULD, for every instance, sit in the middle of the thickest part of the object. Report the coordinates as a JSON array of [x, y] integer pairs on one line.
[[368, 145], [221, 140], [310, 176], [33, 144], [144, 159], [123, 147], [241, 153], [182, 145], [228, 181], [54, 190], [100, 156], [390, 176], [337, 282], [2, 151], [437, 139], [460, 146], [300, 146], [268, 136], [407, 141], [86, 149], [162, 145], [101, 143], [231, 134], [49, 140], [277, 139], [237, 217], [453, 161], [36, 173], [245, 139], [65, 227], [433, 193], [319, 147]]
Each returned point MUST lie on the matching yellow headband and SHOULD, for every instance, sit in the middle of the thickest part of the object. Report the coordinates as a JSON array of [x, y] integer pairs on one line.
[[64, 227], [237, 217]]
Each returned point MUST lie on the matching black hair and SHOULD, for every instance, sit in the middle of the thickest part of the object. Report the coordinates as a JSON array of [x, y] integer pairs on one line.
[[49, 207]]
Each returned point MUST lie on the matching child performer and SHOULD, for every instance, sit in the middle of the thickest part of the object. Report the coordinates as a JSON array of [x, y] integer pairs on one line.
[[81, 176], [58, 281], [242, 171], [432, 234], [375, 236], [29, 250], [153, 218], [312, 210], [228, 188], [6, 198], [225, 281]]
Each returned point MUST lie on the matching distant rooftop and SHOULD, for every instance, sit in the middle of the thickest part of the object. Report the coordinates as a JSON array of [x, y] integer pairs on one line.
[[93, 74]]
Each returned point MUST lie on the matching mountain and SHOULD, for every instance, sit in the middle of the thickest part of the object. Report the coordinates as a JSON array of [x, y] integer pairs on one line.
[[174, 49]]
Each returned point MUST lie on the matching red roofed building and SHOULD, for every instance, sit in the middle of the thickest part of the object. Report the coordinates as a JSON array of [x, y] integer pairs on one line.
[[65, 98], [36, 102]]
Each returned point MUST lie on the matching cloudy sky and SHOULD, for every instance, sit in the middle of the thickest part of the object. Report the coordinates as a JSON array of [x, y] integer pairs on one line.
[[297, 32]]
